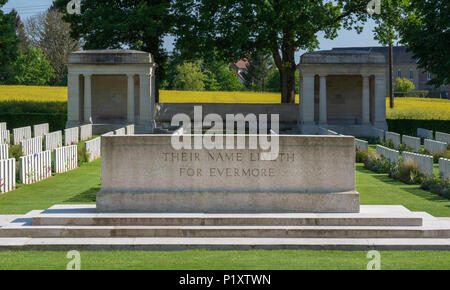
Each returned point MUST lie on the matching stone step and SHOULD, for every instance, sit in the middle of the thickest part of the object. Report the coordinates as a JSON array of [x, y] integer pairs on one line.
[[85, 215], [221, 220], [179, 244], [226, 231]]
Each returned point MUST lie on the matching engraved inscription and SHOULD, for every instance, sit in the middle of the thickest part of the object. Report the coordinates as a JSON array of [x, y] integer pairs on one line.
[[228, 164]]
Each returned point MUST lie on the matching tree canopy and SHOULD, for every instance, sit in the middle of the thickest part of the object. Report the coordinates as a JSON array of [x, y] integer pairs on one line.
[[32, 68], [259, 70], [403, 85], [51, 34], [136, 24], [239, 28], [189, 77], [8, 41], [386, 33], [425, 30]]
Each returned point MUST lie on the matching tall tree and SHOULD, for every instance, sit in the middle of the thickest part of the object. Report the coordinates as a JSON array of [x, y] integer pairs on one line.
[[49, 32], [220, 77], [20, 32], [259, 70], [239, 28], [8, 41], [386, 33], [31, 68], [426, 32], [137, 24], [189, 77]]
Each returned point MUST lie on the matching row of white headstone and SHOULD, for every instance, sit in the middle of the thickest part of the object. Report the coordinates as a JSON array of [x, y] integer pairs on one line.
[[390, 154], [414, 143], [360, 145], [53, 140], [35, 167], [31, 146], [7, 175], [444, 168], [36, 164], [423, 162], [128, 130], [40, 130], [428, 134], [65, 158], [4, 152], [434, 147], [71, 135], [23, 133], [85, 132], [93, 148]]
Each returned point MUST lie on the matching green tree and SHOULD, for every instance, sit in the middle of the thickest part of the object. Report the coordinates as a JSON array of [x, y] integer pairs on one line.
[[259, 70], [426, 32], [51, 34], [386, 33], [228, 80], [20, 32], [32, 68], [403, 85], [189, 77], [220, 77], [8, 41], [137, 24], [274, 85], [237, 29], [211, 83]]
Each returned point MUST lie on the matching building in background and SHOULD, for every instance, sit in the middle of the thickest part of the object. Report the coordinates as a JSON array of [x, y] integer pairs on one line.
[[111, 89], [405, 66], [241, 69], [342, 90]]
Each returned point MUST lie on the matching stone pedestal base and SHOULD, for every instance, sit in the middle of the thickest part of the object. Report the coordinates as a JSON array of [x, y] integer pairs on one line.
[[221, 202]]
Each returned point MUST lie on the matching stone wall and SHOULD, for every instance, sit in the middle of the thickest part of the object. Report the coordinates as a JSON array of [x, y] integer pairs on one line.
[[144, 173], [344, 101], [289, 113]]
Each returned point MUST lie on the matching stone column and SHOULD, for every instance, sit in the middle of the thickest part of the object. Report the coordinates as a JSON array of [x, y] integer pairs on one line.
[[307, 103], [380, 101], [73, 104], [144, 99], [87, 98], [323, 100], [366, 99], [153, 97], [130, 99]]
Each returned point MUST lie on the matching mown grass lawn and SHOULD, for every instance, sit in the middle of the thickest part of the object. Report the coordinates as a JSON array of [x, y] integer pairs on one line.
[[376, 188], [80, 186], [76, 186], [226, 260]]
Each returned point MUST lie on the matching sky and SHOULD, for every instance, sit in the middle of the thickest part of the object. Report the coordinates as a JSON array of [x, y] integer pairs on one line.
[[346, 38]]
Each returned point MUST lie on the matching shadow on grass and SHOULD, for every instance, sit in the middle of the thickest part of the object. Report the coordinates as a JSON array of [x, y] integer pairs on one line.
[[413, 188], [383, 177], [428, 195], [89, 196]]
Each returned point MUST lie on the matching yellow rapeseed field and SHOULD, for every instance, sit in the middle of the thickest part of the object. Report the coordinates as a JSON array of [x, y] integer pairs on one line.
[[419, 109], [405, 108], [33, 94]]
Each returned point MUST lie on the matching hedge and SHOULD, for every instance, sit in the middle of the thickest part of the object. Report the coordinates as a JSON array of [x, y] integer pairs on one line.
[[13, 120], [409, 126], [22, 107]]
